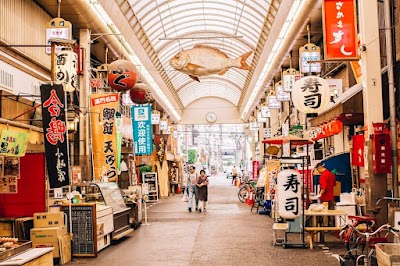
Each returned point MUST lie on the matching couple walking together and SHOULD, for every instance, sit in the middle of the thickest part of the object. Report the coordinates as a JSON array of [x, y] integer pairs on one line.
[[197, 186]]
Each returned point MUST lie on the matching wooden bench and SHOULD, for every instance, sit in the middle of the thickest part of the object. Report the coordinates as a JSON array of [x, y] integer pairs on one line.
[[315, 230], [279, 227]]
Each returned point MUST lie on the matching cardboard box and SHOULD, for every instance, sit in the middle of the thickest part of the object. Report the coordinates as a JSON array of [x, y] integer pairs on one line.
[[48, 219], [6, 229], [48, 237]]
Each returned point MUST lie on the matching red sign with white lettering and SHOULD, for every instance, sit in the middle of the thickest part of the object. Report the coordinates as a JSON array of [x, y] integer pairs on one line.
[[381, 154], [357, 154], [340, 34]]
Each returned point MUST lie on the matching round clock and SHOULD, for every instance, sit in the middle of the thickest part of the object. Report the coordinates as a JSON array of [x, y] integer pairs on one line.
[[211, 117]]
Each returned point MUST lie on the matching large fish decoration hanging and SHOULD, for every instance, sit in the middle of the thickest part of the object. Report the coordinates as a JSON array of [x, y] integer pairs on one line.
[[203, 60]]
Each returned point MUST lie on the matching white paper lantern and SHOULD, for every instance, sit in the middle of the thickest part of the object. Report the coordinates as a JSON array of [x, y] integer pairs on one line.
[[66, 69], [289, 194], [310, 94]]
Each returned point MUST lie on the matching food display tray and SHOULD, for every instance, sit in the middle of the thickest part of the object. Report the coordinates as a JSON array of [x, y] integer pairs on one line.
[[24, 245]]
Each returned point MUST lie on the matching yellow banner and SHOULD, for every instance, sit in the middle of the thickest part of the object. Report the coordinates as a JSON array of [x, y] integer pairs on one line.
[[271, 174], [104, 139]]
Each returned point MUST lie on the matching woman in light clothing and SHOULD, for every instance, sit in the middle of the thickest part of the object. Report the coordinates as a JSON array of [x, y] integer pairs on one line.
[[202, 184], [192, 188]]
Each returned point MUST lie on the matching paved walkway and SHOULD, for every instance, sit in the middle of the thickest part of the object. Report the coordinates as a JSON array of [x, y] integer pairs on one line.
[[227, 234]]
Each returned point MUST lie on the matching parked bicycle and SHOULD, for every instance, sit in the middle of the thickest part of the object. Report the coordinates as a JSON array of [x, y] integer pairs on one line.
[[368, 239], [355, 243], [245, 190]]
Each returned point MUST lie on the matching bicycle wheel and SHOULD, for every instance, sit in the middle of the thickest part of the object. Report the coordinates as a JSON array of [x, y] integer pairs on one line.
[[242, 193], [355, 245]]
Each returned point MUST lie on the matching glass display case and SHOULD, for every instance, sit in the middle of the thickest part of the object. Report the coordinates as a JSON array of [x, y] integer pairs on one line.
[[108, 194]]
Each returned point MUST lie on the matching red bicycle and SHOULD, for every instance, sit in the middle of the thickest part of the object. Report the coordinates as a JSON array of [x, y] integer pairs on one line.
[[356, 242]]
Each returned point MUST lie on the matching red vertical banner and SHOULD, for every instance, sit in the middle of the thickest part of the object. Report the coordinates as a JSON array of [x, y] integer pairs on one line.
[[256, 170], [340, 29], [357, 154]]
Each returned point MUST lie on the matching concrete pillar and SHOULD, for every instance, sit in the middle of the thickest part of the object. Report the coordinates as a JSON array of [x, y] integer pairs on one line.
[[376, 185], [84, 81]]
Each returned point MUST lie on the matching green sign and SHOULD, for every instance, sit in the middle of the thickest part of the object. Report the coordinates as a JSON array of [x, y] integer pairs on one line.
[[118, 124], [13, 142]]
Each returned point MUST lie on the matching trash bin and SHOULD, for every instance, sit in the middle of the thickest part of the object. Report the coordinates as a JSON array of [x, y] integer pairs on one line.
[[388, 254]]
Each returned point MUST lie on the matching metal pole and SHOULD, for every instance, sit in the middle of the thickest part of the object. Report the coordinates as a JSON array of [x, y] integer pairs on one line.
[[392, 102]]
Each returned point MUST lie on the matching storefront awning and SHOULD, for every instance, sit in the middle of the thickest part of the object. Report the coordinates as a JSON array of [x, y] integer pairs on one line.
[[348, 108]]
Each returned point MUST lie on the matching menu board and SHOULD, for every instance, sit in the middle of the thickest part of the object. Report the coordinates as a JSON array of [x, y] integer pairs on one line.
[[83, 229], [8, 183], [150, 178], [112, 195]]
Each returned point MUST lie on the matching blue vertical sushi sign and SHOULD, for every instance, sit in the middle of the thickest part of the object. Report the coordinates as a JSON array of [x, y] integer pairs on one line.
[[142, 129]]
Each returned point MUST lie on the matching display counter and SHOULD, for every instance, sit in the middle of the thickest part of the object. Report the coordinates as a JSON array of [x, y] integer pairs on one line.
[[111, 217], [31, 257]]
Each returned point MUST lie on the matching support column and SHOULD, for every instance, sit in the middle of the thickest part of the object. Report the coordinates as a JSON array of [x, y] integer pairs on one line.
[[376, 185], [84, 81]]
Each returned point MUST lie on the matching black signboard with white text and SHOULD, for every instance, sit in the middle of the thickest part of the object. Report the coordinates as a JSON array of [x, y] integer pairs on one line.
[[55, 134]]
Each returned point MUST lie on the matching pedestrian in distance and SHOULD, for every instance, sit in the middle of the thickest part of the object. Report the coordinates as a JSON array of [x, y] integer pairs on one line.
[[234, 174], [192, 188], [202, 184]]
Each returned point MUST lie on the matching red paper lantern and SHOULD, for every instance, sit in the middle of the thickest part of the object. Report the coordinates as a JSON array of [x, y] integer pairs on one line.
[[121, 75], [140, 93], [336, 127]]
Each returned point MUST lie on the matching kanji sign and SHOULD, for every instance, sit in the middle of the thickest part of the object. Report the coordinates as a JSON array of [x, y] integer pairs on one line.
[[57, 28], [103, 109], [307, 53], [340, 35], [13, 142], [357, 154], [273, 102], [55, 134], [142, 129], [265, 112], [310, 94], [289, 194]]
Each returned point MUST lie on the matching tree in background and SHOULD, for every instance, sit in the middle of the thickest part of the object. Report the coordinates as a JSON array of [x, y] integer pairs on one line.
[[192, 156]]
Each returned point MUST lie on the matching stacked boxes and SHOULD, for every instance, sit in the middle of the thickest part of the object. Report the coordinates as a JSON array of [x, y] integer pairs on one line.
[[49, 229]]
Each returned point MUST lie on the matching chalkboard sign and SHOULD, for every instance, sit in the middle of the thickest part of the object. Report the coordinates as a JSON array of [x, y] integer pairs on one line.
[[84, 228], [150, 178]]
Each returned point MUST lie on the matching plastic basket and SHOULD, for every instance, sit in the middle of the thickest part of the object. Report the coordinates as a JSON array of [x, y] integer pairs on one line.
[[388, 254]]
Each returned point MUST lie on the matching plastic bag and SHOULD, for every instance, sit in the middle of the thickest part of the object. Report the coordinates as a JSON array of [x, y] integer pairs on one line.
[[185, 197]]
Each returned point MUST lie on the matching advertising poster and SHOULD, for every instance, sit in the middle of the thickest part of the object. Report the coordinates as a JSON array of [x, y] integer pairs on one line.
[[103, 112], [142, 130], [13, 142]]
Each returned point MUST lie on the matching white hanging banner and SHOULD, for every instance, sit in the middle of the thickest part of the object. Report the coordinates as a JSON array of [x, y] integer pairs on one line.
[[163, 125], [289, 80], [281, 94], [267, 132], [309, 52], [289, 194], [253, 126], [273, 102], [260, 118], [57, 28], [155, 118], [66, 70], [335, 87], [265, 112]]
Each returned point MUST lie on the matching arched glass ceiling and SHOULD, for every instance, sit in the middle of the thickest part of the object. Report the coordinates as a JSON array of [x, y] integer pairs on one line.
[[166, 27], [212, 88]]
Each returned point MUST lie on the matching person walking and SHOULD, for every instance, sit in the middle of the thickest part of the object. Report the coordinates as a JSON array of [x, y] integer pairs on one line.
[[192, 188], [234, 174], [202, 184], [327, 182]]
